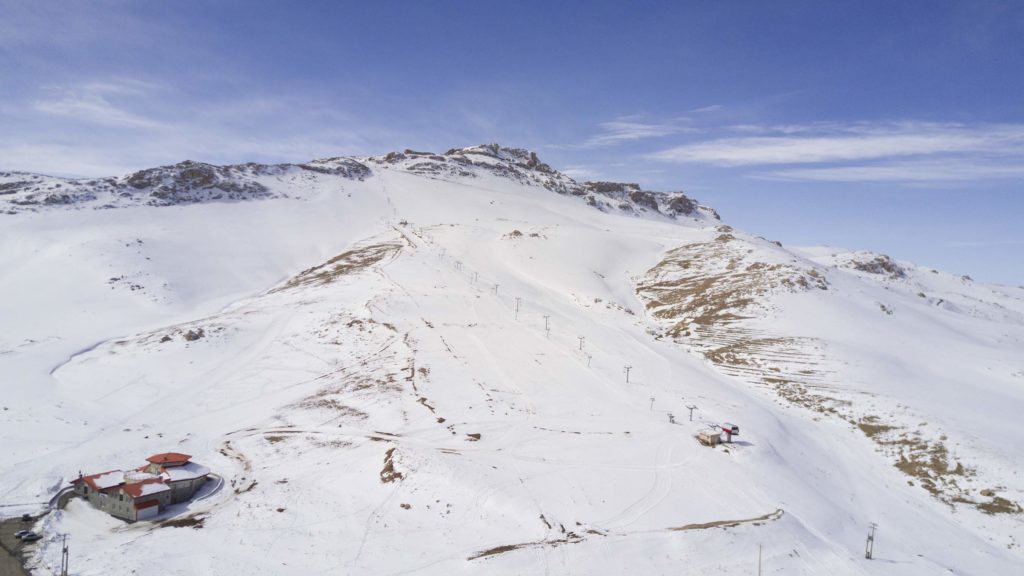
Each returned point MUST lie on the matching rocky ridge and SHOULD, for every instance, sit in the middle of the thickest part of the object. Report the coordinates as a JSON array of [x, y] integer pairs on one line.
[[525, 167], [192, 182]]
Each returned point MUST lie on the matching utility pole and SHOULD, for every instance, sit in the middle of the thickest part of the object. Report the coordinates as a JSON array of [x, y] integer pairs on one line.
[[589, 358], [869, 546], [581, 339], [691, 407], [758, 560], [496, 289], [626, 369], [518, 301], [64, 559], [652, 404]]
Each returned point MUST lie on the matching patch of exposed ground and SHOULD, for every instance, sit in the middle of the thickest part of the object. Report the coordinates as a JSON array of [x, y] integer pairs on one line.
[[334, 443], [998, 505], [503, 549], [194, 521], [347, 262], [705, 293], [388, 473], [570, 537], [239, 482], [706, 286], [567, 538], [731, 523], [929, 463], [708, 294], [325, 400], [880, 264]]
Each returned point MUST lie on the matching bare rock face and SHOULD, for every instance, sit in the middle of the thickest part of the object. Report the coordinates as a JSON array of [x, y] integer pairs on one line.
[[516, 164], [517, 156], [187, 182], [881, 264], [190, 182], [631, 197], [13, 186], [524, 166], [683, 205], [20, 191], [344, 167]]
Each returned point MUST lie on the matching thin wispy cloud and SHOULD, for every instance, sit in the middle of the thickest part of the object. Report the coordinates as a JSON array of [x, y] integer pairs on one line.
[[626, 130], [707, 109], [982, 243], [863, 152], [907, 172], [109, 127], [98, 102], [796, 145]]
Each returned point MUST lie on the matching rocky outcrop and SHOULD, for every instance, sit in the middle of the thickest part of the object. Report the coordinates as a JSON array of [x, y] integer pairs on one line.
[[186, 182], [344, 167], [515, 164], [525, 167], [632, 198], [880, 264], [192, 182]]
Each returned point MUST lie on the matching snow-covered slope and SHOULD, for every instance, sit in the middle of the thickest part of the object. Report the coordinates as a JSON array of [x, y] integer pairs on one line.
[[359, 348]]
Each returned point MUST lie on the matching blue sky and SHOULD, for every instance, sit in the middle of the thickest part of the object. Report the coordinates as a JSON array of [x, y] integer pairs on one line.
[[891, 126]]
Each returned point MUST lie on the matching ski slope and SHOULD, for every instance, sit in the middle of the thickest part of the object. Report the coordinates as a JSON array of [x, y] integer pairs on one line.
[[374, 383]]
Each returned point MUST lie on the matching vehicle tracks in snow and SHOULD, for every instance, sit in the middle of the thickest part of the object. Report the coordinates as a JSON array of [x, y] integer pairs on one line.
[[659, 490]]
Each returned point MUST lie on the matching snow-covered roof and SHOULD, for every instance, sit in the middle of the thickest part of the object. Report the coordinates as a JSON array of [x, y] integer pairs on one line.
[[104, 480], [187, 471], [145, 488], [139, 475]]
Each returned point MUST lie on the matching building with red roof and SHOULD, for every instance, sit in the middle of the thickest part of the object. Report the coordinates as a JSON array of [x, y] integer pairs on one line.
[[141, 494], [169, 459]]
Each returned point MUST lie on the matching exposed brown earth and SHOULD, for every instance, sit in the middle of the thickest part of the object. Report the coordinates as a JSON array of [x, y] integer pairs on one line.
[[347, 262], [731, 523], [194, 521], [388, 473], [708, 293], [573, 537]]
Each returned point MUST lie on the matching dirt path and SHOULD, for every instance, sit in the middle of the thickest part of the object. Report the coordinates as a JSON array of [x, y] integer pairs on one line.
[[10, 560]]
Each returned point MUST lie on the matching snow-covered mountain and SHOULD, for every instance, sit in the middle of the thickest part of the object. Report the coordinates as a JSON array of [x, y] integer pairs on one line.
[[470, 362]]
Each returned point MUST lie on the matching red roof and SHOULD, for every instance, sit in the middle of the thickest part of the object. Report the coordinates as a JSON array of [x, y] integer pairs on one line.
[[169, 458], [138, 489], [146, 504]]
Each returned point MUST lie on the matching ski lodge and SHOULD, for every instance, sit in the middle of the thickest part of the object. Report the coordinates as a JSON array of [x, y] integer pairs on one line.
[[144, 492]]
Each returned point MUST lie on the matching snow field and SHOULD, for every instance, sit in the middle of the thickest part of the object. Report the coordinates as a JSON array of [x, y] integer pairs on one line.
[[310, 401]]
